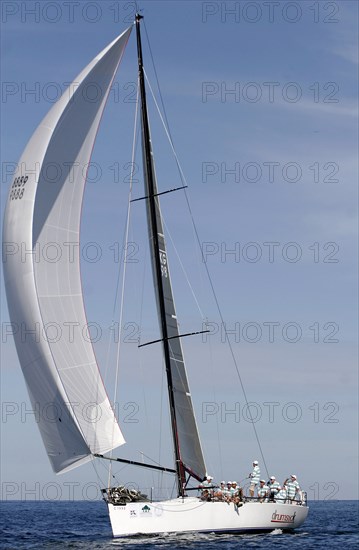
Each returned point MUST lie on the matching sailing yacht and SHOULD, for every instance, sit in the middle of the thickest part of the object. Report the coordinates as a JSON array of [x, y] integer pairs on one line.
[[45, 208]]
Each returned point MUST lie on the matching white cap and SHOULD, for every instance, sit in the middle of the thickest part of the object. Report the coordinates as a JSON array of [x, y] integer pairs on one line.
[[223, 482], [255, 462], [229, 483], [272, 477], [234, 483], [262, 481], [293, 475], [209, 477]]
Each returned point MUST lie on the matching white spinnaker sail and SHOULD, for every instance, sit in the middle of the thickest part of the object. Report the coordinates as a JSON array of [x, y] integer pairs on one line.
[[42, 271]]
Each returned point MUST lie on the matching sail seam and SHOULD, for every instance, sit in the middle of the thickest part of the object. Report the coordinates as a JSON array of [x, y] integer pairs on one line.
[[77, 366], [59, 295], [125, 263], [62, 228]]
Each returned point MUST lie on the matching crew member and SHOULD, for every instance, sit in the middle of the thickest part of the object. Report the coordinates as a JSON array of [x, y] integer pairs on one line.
[[281, 496], [206, 485], [254, 477], [273, 487], [263, 491], [220, 493], [293, 488]]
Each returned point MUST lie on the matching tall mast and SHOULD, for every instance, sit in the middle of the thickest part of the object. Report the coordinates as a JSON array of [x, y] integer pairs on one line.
[[159, 258]]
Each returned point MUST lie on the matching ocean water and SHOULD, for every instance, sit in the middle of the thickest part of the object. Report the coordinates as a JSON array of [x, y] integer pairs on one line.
[[85, 525]]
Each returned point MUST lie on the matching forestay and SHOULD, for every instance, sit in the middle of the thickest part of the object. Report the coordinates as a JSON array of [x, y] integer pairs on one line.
[[44, 287]]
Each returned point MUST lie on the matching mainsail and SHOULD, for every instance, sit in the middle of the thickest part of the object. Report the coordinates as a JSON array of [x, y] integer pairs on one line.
[[42, 271], [190, 451], [187, 445]]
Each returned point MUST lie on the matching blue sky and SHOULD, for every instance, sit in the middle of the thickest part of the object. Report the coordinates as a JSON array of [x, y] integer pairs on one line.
[[262, 107]]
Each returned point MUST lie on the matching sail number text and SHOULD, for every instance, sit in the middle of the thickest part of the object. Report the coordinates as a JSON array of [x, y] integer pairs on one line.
[[163, 262], [18, 188]]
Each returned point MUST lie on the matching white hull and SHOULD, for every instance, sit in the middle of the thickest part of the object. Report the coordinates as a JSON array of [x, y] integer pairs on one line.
[[193, 515]]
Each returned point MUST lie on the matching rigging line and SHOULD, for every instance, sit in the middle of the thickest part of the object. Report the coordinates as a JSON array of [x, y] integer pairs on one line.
[[157, 80], [139, 341], [124, 270], [123, 250], [184, 181], [226, 336], [161, 419], [149, 458], [99, 480], [120, 262], [114, 476], [215, 401], [160, 481], [164, 119], [107, 362], [179, 168], [169, 137], [165, 124], [182, 267]]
